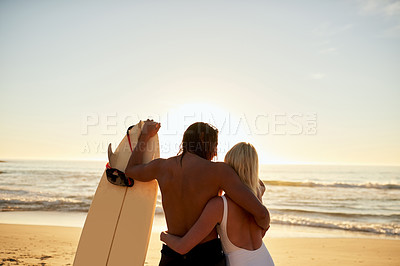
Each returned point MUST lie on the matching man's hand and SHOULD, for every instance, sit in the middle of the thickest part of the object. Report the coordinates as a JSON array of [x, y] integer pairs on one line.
[[264, 231], [262, 186], [150, 129], [263, 221], [261, 190], [135, 168]]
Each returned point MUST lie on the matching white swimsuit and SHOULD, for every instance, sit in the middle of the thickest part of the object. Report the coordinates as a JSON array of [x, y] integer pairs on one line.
[[236, 256]]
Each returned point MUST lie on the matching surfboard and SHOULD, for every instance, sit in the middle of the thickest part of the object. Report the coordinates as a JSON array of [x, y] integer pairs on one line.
[[118, 225]]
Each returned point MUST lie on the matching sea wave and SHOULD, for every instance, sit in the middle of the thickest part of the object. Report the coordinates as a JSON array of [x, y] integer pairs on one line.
[[65, 205], [392, 229], [13, 190], [335, 214], [53, 174], [336, 184]]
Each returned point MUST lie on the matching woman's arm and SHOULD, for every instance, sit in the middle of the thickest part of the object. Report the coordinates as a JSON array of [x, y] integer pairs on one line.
[[211, 215]]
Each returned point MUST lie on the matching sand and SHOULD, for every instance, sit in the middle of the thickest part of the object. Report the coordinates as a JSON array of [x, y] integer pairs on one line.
[[56, 245], [38, 245]]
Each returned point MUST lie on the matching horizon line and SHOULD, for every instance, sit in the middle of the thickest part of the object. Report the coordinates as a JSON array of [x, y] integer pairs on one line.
[[2, 160]]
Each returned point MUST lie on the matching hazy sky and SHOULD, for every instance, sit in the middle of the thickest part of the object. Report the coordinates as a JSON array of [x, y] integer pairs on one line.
[[304, 81]]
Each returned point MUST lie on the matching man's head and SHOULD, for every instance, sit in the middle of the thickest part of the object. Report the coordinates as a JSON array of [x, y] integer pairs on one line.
[[201, 139]]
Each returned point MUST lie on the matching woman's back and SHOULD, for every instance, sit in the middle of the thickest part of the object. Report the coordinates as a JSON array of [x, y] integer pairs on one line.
[[241, 237], [242, 230]]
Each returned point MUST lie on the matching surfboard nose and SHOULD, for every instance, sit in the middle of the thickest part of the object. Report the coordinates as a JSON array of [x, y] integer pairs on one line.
[[111, 159]]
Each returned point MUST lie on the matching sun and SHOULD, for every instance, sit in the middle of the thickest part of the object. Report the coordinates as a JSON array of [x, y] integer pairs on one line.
[[232, 128]]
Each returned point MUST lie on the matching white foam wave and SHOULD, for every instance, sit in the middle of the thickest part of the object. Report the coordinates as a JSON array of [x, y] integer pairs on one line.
[[376, 228], [336, 184]]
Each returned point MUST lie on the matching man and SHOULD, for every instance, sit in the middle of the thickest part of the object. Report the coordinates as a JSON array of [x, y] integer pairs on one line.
[[187, 182]]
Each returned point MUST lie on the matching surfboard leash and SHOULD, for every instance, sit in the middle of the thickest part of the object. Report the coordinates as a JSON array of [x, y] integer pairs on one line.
[[117, 177], [129, 138]]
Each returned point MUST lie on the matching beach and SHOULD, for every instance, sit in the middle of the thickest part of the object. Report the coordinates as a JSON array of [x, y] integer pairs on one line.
[[56, 245], [313, 86], [321, 215]]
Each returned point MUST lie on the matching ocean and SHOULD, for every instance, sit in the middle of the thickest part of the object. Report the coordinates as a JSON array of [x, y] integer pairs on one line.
[[359, 199]]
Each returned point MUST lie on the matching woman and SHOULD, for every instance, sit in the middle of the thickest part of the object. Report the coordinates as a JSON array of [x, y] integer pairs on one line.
[[240, 235]]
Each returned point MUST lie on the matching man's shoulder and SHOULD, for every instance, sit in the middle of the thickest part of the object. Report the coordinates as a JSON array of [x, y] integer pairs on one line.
[[222, 168], [166, 163], [210, 166], [216, 170], [173, 160]]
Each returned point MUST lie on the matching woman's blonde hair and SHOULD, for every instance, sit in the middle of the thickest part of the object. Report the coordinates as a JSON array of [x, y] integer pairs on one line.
[[243, 159]]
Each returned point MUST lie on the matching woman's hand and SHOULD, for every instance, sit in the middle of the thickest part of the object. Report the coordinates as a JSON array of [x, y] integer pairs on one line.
[[163, 235], [174, 242]]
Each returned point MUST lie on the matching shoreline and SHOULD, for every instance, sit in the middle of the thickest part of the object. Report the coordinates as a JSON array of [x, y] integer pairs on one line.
[[56, 245], [77, 220]]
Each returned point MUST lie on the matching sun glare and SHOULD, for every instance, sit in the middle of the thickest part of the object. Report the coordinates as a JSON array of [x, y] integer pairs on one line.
[[232, 127]]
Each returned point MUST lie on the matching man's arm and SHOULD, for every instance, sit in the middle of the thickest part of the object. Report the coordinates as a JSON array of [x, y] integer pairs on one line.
[[242, 195], [135, 169]]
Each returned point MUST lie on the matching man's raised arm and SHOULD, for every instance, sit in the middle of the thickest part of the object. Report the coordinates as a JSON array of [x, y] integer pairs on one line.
[[135, 169]]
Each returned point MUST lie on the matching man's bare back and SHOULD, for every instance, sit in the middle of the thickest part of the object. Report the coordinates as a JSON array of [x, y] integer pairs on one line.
[[186, 189]]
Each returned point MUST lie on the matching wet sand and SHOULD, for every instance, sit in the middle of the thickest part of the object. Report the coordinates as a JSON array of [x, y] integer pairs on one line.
[[56, 245]]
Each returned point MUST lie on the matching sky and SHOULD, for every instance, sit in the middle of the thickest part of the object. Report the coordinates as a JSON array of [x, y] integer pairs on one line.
[[303, 81]]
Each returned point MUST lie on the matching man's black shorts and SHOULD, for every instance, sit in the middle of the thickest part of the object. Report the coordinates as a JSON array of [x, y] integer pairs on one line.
[[206, 254]]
